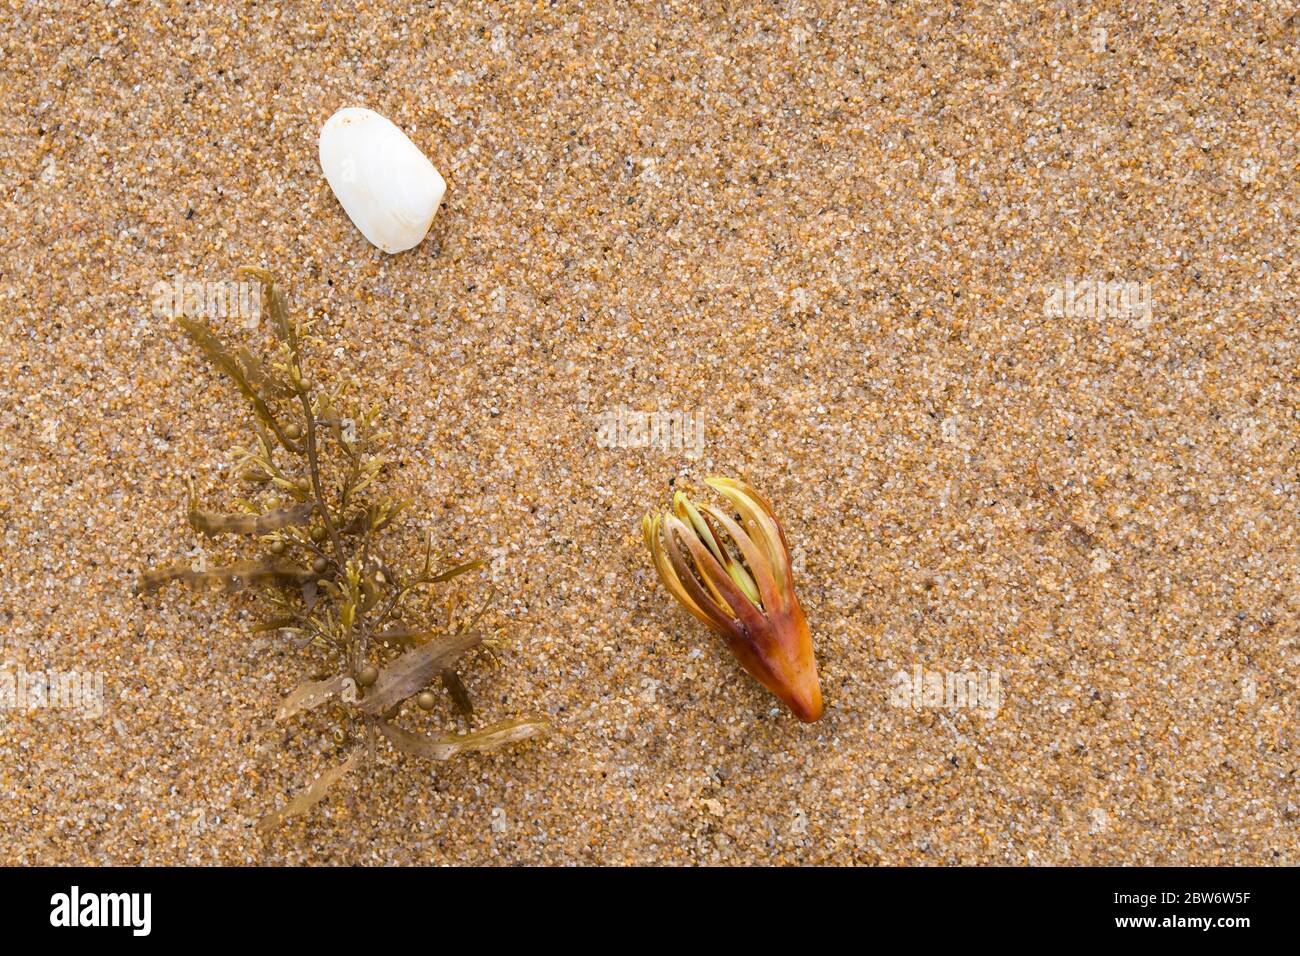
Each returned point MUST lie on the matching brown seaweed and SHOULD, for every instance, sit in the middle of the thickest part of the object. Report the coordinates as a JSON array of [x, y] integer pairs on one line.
[[310, 695], [211, 523], [459, 693], [446, 746], [329, 578], [306, 799], [226, 362], [232, 577], [413, 671]]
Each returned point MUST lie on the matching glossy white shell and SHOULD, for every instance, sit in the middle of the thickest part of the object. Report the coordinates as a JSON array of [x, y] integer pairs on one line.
[[388, 188]]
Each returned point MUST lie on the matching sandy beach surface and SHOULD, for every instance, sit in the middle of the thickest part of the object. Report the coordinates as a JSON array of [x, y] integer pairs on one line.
[[855, 243]]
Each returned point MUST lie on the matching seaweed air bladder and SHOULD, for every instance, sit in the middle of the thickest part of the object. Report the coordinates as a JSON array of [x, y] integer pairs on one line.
[[735, 576]]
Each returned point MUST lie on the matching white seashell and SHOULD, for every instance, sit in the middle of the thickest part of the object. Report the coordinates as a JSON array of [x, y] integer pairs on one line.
[[388, 188]]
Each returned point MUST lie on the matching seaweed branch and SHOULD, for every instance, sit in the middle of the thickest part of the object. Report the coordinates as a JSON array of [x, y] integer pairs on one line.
[[330, 582]]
